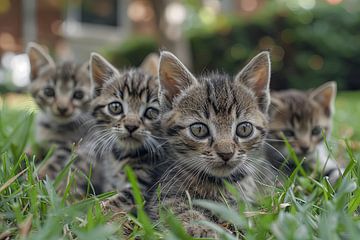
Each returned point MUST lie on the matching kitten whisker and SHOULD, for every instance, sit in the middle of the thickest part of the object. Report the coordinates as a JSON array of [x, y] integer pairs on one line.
[[272, 147], [274, 140]]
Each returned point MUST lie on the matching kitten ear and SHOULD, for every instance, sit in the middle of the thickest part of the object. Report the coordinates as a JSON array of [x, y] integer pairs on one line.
[[256, 76], [276, 103], [151, 64], [174, 76], [38, 59], [100, 69], [85, 69], [325, 96]]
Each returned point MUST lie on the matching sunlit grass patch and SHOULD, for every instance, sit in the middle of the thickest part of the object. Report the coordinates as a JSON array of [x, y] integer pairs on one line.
[[304, 208]]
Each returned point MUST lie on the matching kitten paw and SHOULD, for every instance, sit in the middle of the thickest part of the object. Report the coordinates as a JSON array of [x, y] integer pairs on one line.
[[190, 219], [200, 231], [114, 206]]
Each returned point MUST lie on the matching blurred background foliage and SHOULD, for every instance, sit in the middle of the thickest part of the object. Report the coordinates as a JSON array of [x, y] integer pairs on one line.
[[311, 42]]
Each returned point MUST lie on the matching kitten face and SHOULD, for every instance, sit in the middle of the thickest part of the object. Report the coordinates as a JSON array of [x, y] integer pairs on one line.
[[302, 117], [127, 104], [63, 91], [214, 124]]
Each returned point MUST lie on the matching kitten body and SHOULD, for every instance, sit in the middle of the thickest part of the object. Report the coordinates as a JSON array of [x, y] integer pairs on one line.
[[63, 93], [214, 126], [126, 113], [304, 118]]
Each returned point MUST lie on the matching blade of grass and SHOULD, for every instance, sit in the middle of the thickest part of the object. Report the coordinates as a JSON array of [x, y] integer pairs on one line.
[[59, 178], [294, 156], [143, 218], [11, 180]]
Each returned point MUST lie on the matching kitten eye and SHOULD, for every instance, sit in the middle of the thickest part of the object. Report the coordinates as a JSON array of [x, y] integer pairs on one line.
[[288, 133], [316, 131], [115, 108], [49, 92], [151, 113], [244, 129], [199, 130], [78, 94]]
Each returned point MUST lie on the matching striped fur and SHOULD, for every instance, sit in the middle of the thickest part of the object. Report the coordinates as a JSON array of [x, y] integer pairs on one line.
[[301, 117], [125, 137], [199, 165], [63, 93]]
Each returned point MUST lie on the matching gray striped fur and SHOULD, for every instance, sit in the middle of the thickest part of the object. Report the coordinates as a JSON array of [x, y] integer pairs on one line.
[[62, 119], [196, 166], [113, 144], [296, 114]]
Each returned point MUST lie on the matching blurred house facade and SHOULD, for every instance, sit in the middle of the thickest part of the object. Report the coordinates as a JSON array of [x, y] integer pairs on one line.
[[73, 28], [22, 21], [70, 28], [308, 39]]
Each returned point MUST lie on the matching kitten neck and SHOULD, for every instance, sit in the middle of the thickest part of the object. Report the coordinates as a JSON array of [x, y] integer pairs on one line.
[[202, 183], [121, 154]]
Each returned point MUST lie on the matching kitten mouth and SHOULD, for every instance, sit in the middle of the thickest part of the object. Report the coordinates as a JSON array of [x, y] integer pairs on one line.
[[67, 116], [223, 169], [130, 138], [63, 118], [302, 155]]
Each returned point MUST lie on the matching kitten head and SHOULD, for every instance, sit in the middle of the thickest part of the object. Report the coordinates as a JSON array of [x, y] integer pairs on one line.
[[301, 117], [63, 91], [215, 123], [127, 103]]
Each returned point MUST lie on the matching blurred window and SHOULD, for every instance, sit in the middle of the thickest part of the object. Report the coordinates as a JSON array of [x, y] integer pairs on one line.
[[102, 12]]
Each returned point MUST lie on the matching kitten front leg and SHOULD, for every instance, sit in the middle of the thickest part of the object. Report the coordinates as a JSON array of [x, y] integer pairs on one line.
[[324, 161], [121, 202], [81, 169], [56, 163], [88, 174], [190, 217]]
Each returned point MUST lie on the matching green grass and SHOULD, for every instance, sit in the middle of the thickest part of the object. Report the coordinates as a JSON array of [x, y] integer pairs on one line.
[[346, 120], [304, 209]]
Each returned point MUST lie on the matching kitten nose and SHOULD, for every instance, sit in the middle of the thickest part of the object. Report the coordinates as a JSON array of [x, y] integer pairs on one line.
[[62, 110], [131, 128], [304, 149], [225, 155]]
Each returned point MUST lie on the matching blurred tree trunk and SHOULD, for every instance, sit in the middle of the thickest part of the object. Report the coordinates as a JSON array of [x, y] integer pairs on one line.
[[180, 46], [159, 7]]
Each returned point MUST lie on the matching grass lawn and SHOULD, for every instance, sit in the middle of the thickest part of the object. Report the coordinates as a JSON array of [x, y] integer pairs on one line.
[[304, 208], [347, 115]]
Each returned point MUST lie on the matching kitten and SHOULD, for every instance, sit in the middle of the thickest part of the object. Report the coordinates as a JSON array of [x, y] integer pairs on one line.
[[126, 110], [63, 93], [215, 126], [303, 118]]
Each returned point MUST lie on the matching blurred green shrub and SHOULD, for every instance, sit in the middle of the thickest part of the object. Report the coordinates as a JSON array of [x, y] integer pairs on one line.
[[131, 52], [308, 46]]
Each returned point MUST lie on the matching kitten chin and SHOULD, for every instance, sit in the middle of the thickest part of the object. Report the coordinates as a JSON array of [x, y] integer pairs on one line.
[[74, 117], [130, 143], [223, 170]]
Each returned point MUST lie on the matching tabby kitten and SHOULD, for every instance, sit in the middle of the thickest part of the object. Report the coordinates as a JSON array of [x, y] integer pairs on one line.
[[304, 118], [127, 115], [215, 126], [63, 93]]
